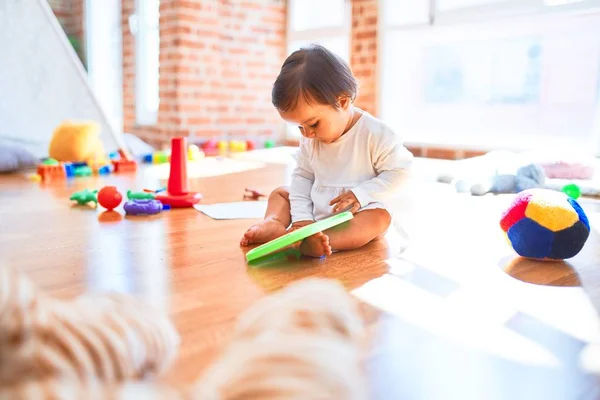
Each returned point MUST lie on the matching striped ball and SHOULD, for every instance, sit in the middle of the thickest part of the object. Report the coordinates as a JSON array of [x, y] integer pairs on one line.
[[545, 224]]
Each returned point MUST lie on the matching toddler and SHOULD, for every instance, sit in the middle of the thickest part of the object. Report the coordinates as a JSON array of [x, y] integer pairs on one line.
[[347, 160]]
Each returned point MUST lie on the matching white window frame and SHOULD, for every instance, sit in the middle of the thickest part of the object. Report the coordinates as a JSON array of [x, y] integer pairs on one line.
[[316, 35], [144, 115], [104, 55], [509, 8]]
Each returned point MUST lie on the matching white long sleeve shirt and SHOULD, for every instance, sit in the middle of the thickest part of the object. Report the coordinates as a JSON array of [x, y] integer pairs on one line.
[[370, 160]]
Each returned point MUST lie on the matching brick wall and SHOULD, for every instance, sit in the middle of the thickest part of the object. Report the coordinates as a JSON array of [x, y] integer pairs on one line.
[[218, 61], [363, 54]]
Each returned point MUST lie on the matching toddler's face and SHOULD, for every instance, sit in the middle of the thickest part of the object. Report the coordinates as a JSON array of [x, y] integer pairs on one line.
[[317, 121]]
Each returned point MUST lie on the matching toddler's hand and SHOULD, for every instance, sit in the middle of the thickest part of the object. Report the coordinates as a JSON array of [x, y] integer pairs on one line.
[[345, 201]]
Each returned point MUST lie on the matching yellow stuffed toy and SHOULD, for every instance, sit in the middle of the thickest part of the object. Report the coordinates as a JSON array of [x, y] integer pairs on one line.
[[77, 141]]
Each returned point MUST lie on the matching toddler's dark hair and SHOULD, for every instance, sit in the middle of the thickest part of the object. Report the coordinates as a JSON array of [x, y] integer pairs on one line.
[[316, 74]]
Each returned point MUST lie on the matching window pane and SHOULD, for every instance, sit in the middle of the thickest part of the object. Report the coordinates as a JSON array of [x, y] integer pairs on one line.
[[315, 14], [445, 5], [339, 45], [533, 84], [404, 12], [147, 61]]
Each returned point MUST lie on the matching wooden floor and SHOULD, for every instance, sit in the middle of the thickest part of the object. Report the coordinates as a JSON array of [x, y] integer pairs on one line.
[[456, 315]]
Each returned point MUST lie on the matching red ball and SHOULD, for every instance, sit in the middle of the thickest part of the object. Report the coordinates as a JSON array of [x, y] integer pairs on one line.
[[109, 197]]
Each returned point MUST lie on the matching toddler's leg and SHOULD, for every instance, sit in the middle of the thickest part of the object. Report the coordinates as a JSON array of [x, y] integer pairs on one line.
[[277, 219], [363, 228]]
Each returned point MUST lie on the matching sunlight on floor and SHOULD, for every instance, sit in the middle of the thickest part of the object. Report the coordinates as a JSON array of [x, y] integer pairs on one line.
[[446, 319], [210, 166], [278, 155]]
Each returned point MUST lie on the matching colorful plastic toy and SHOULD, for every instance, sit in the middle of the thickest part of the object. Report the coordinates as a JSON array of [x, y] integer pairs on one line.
[[160, 157], [178, 193], [140, 195], [545, 224], [144, 206], [50, 161], [269, 144], [237, 145], [222, 146], [298, 235], [83, 197], [109, 197], [83, 170], [125, 163], [572, 190], [250, 145], [51, 171]]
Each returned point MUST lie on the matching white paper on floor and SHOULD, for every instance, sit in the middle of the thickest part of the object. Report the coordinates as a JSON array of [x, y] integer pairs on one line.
[[235, 210]]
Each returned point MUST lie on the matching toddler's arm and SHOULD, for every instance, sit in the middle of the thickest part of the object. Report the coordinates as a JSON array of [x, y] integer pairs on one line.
[[302, 183], [391, 161]]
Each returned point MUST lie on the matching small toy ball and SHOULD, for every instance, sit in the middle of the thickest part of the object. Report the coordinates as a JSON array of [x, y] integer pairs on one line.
[[572, 190], [250, 145], [269, 144], [109, 197], [545, 224]]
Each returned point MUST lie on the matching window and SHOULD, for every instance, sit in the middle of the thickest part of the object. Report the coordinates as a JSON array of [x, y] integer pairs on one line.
[[493, 73], [145, 27], [104, 55], [329, 27]]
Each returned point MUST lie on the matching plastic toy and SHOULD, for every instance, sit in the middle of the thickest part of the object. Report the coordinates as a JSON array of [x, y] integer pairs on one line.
[[209, 145], [140, 195], [178, 194], [250, 145], [222, 146], [545, 224], [269, 144], [144, 206], [109, 197], [69, 170], [252, 194], [83, 197], [50, 172], [50, 161], [105, 170], [160, 157], [572, 190], [297, 235], [237, 145], [83, 170], [125, 163]]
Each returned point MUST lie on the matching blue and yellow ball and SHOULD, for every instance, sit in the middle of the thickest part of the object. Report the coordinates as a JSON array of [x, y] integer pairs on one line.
[[545, 224]]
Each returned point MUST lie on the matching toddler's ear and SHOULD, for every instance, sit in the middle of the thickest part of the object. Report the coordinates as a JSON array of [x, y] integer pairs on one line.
[[344, 102]]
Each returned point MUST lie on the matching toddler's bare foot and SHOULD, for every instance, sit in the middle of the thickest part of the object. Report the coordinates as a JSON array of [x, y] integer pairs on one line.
[[263, 232], [316, 245]]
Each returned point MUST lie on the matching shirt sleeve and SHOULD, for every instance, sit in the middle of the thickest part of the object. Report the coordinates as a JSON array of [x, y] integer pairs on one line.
[[391, 162], [301, 186]]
